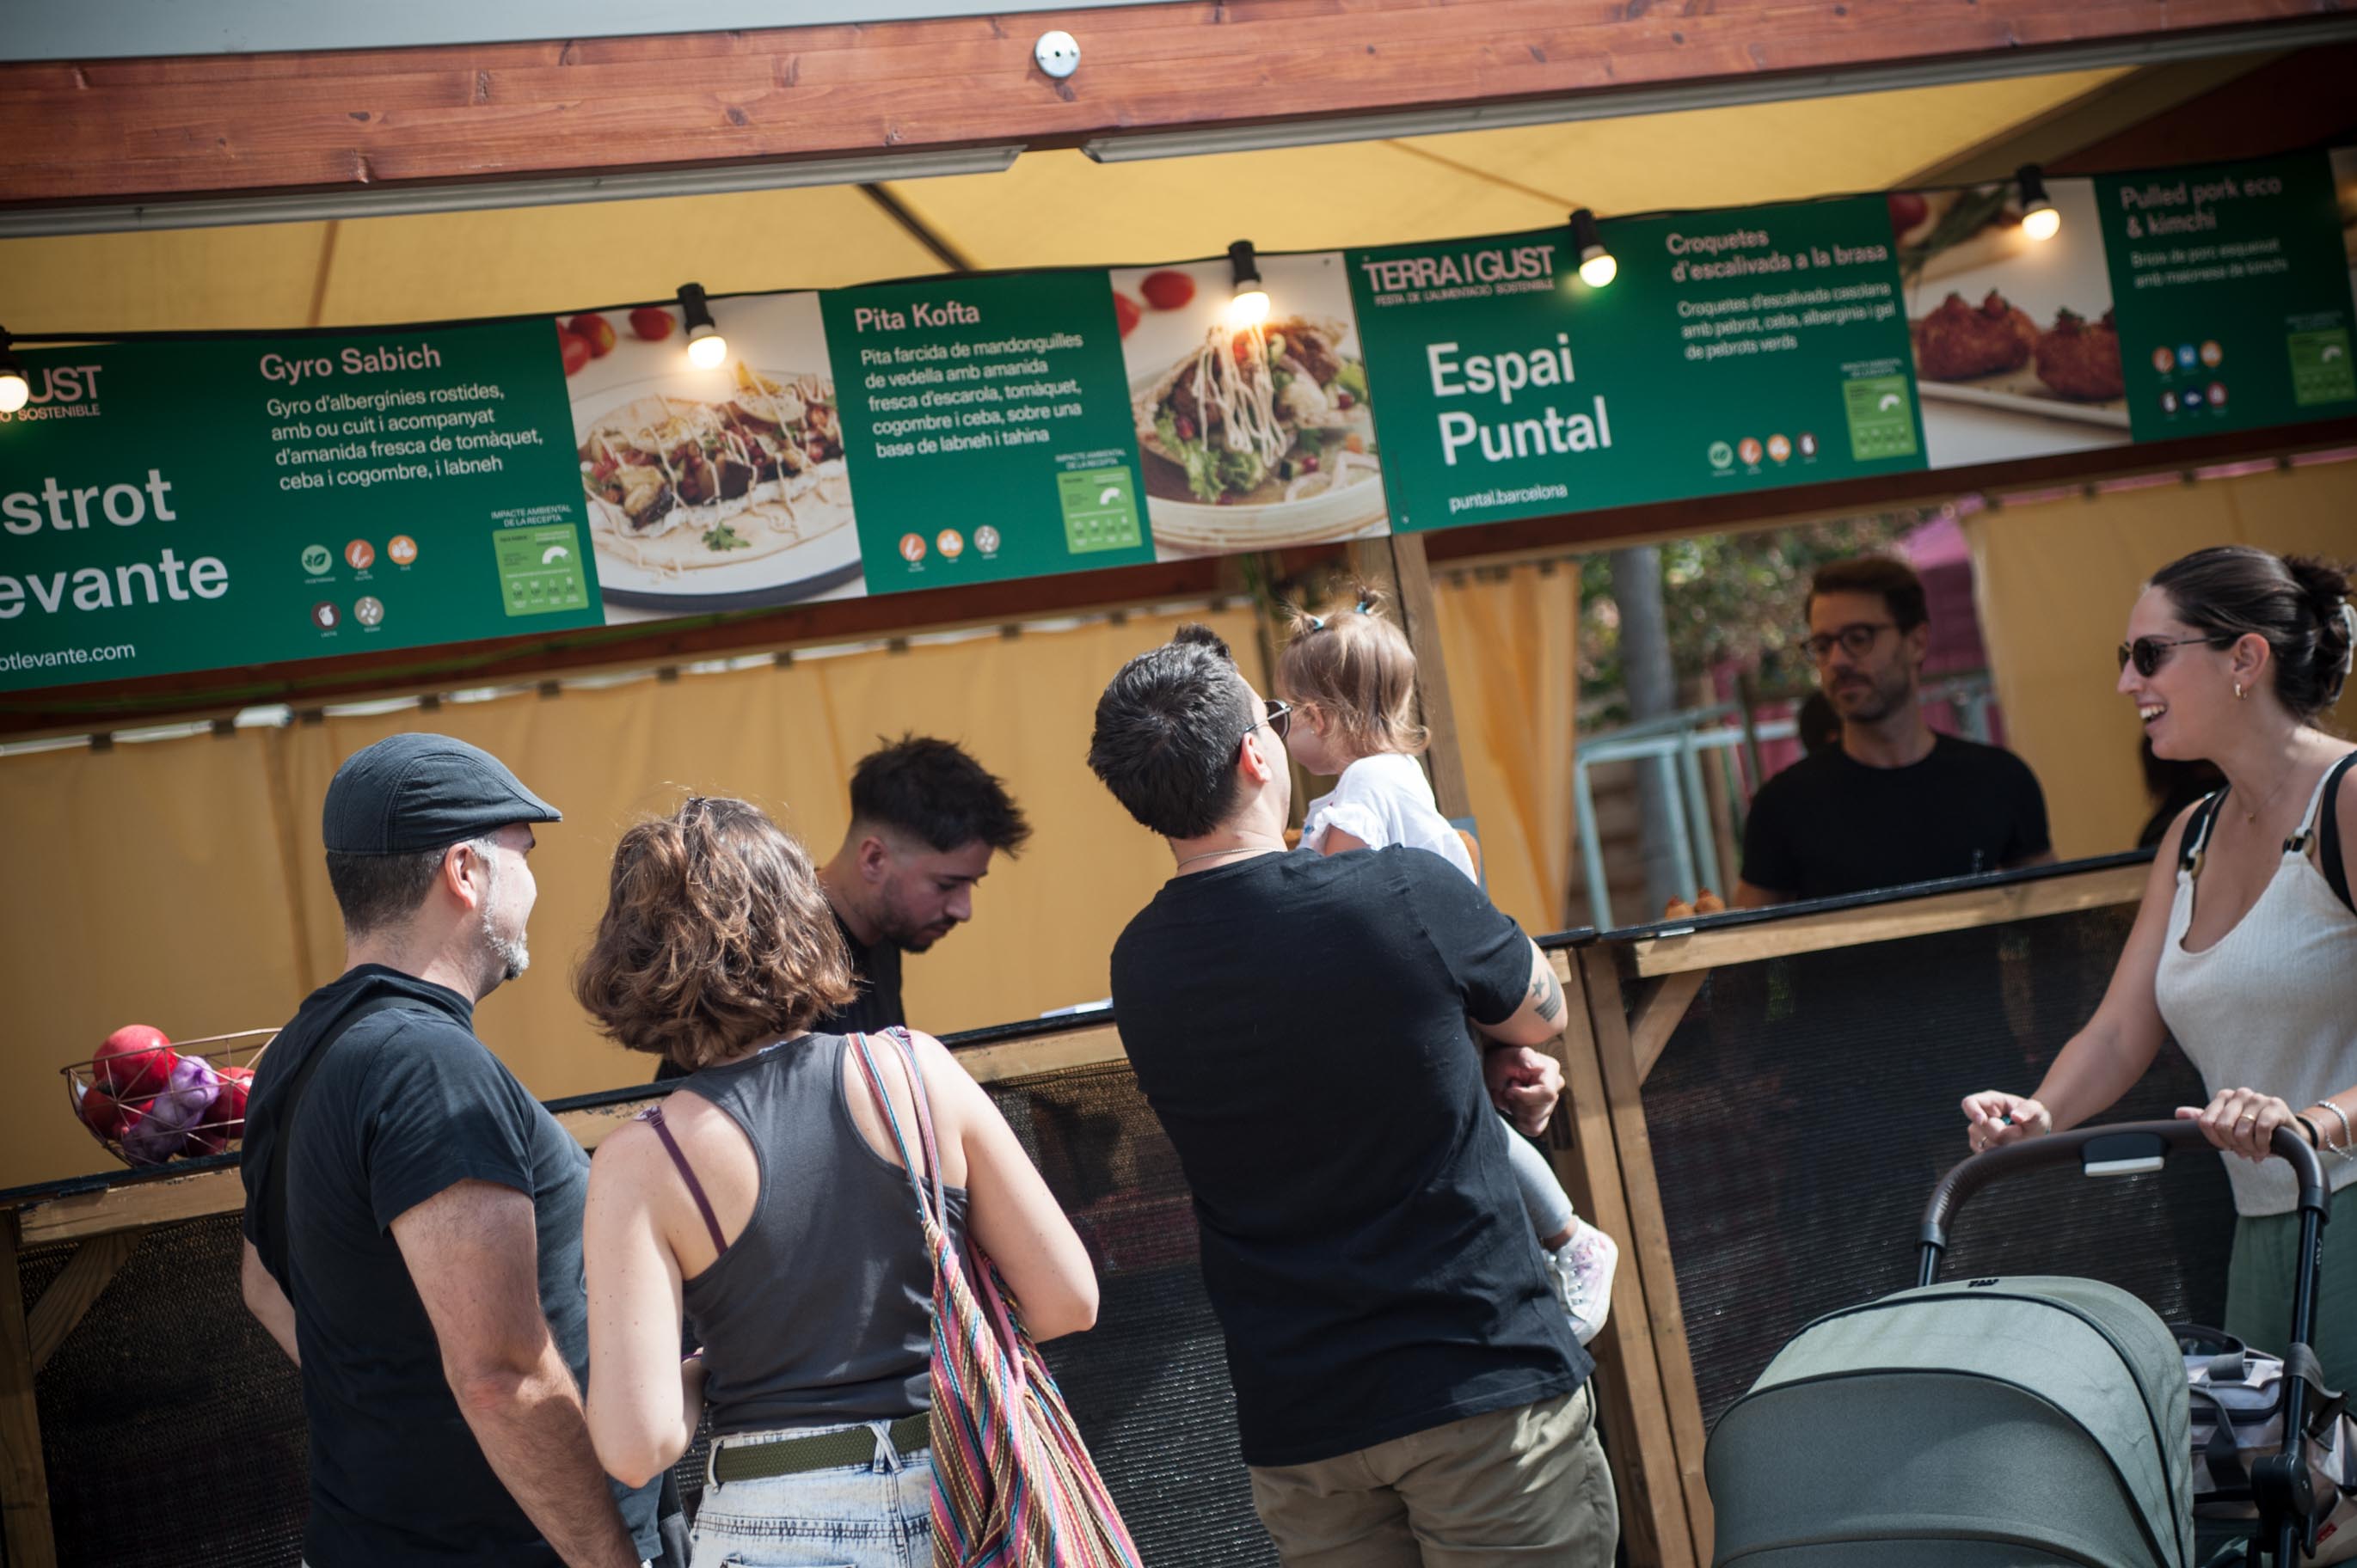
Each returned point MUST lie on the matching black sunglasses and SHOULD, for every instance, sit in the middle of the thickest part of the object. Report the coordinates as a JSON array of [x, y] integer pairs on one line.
[[1279, 717], [2149, 653]]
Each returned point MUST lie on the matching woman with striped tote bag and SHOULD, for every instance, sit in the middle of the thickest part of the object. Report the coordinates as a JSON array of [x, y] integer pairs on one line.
[[1013, 1484]]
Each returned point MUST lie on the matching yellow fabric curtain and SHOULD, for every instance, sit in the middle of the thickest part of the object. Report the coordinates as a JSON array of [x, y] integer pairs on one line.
[[1507, 638], [2055, 582], [180, 883]]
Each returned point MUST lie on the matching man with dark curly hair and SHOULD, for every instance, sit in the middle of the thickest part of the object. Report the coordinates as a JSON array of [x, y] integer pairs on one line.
[[413, 1215], [925, 819]]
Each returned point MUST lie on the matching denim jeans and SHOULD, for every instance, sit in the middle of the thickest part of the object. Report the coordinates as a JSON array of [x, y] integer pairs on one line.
[[877, 1515]]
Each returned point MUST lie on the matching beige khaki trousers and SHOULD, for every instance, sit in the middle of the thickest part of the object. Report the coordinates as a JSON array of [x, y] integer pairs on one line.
[[1526, 1486]]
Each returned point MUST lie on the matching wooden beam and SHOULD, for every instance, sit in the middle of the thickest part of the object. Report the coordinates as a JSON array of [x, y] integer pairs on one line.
[[133, 1206], [1657, 1015], [82, 1280], [26, 1539], [1713, 947], [142, 130], [1645, 1249], [1653, 1522]]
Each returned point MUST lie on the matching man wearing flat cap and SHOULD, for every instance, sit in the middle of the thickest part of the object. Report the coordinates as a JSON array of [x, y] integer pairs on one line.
[[413, 1215]]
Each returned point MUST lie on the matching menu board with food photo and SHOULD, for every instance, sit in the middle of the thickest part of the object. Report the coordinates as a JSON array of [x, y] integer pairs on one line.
[[712, 487], [2234, 295], [194, 505], [987, 429], [1252, 413], [2017, 354], [1688, 355]]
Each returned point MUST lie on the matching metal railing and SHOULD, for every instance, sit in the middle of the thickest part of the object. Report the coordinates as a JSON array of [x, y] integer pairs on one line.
[[1673, 746]]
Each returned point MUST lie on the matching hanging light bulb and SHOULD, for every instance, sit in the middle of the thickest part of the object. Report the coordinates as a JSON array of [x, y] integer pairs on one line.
[[1596, 267], [2040, 221], [1249, 306], [16, 391], [707, 348]]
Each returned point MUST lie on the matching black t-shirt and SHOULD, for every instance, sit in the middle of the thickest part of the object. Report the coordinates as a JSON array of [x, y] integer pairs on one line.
[[874, 971], [1297, 1022], [407, 1104], [1829, 824]]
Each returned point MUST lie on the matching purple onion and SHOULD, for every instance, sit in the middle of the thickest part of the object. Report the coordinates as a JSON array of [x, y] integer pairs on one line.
[[151, 1141], [183, 1102]]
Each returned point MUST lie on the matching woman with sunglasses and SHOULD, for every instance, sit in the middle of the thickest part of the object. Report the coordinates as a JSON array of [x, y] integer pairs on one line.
[[2246, 948], [765, 1200]]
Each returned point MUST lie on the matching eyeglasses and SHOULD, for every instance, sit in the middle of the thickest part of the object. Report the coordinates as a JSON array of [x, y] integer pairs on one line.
[[1854, 639], [2149, 653], [1279, 718]]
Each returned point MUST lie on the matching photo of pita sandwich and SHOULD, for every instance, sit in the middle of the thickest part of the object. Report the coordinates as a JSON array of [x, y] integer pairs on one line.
[[1262, 416], [678, 484]]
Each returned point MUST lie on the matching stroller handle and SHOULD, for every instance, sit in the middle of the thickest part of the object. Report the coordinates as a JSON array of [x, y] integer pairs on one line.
[[2070, 1147], [2121, 1137]]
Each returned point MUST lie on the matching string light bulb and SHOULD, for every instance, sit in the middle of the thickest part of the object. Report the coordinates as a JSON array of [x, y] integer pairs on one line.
[[16, 391], [1249, 305], [2040, 221], [707, 348], [1596, 266]]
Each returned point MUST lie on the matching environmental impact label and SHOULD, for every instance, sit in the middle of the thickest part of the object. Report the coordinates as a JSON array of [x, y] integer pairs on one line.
[[2232, 295], [988, 427], [1738, 350], [189, 505]]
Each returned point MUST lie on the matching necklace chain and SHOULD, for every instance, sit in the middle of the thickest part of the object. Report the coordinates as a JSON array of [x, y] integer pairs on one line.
[[1215, 853], [2253, 814]]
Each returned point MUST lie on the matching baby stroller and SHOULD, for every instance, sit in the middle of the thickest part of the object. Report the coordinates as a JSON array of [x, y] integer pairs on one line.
[[2022, 1420]]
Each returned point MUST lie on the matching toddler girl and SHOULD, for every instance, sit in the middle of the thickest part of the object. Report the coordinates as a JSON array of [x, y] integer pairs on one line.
[[1350, 677]]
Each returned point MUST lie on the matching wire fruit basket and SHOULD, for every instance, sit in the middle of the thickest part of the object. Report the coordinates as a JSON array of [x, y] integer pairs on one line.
[[150, 1100]]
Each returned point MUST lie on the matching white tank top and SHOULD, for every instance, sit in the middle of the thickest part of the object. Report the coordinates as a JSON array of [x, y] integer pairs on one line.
[[2271, 1005]]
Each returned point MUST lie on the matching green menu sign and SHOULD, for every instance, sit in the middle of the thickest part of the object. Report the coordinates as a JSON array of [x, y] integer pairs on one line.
[[171, 507], [1735, 350], [988, 427], [2232, 294]]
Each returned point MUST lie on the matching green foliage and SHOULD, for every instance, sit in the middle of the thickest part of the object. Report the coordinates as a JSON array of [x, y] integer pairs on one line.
[[1736, 596]]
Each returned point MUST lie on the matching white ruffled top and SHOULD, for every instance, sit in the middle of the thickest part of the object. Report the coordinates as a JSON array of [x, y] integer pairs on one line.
[[1386, 799]]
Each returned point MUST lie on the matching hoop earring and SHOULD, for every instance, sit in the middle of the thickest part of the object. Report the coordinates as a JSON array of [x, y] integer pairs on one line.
[[2238, 691]]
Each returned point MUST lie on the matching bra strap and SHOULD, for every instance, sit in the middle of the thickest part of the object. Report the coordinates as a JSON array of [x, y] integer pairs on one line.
[[2197, 833], [654, 1117]]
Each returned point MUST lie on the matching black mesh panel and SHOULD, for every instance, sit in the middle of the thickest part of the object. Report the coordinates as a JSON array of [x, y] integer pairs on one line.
[[1806, 1106]]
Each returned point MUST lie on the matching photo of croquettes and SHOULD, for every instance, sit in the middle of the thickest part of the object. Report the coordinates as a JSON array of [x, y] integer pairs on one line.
[[1959, 341]]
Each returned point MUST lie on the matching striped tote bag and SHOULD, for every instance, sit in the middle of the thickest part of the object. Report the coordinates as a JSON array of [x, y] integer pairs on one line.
[[1013, 1484]]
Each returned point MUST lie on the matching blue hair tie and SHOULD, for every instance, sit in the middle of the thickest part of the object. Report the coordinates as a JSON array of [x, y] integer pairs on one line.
[[1365, 608], [1316, 623]]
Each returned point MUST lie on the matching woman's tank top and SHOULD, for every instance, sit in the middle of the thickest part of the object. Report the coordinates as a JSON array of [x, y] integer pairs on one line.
[[821, 1312], [2272, 1006]]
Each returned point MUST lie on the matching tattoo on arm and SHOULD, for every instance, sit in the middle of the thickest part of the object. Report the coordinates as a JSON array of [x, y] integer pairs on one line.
[[1546, 994]]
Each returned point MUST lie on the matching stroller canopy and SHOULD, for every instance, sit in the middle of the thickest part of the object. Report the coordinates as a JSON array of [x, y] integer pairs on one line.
[[2028, 1420]]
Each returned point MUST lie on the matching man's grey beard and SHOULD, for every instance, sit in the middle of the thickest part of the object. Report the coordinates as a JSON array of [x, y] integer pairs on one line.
[[510, 953]]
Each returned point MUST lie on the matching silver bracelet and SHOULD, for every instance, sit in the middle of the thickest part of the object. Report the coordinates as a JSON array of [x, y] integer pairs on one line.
[[2348, 1136]]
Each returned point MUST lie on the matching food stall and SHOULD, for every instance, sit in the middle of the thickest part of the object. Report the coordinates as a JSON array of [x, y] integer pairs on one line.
[[397, 466]]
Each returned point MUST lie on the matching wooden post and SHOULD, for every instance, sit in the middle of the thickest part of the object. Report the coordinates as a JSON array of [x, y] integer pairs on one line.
[[1397, 566], [1646, 1246], [1654, 1515], [24, 1480]]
